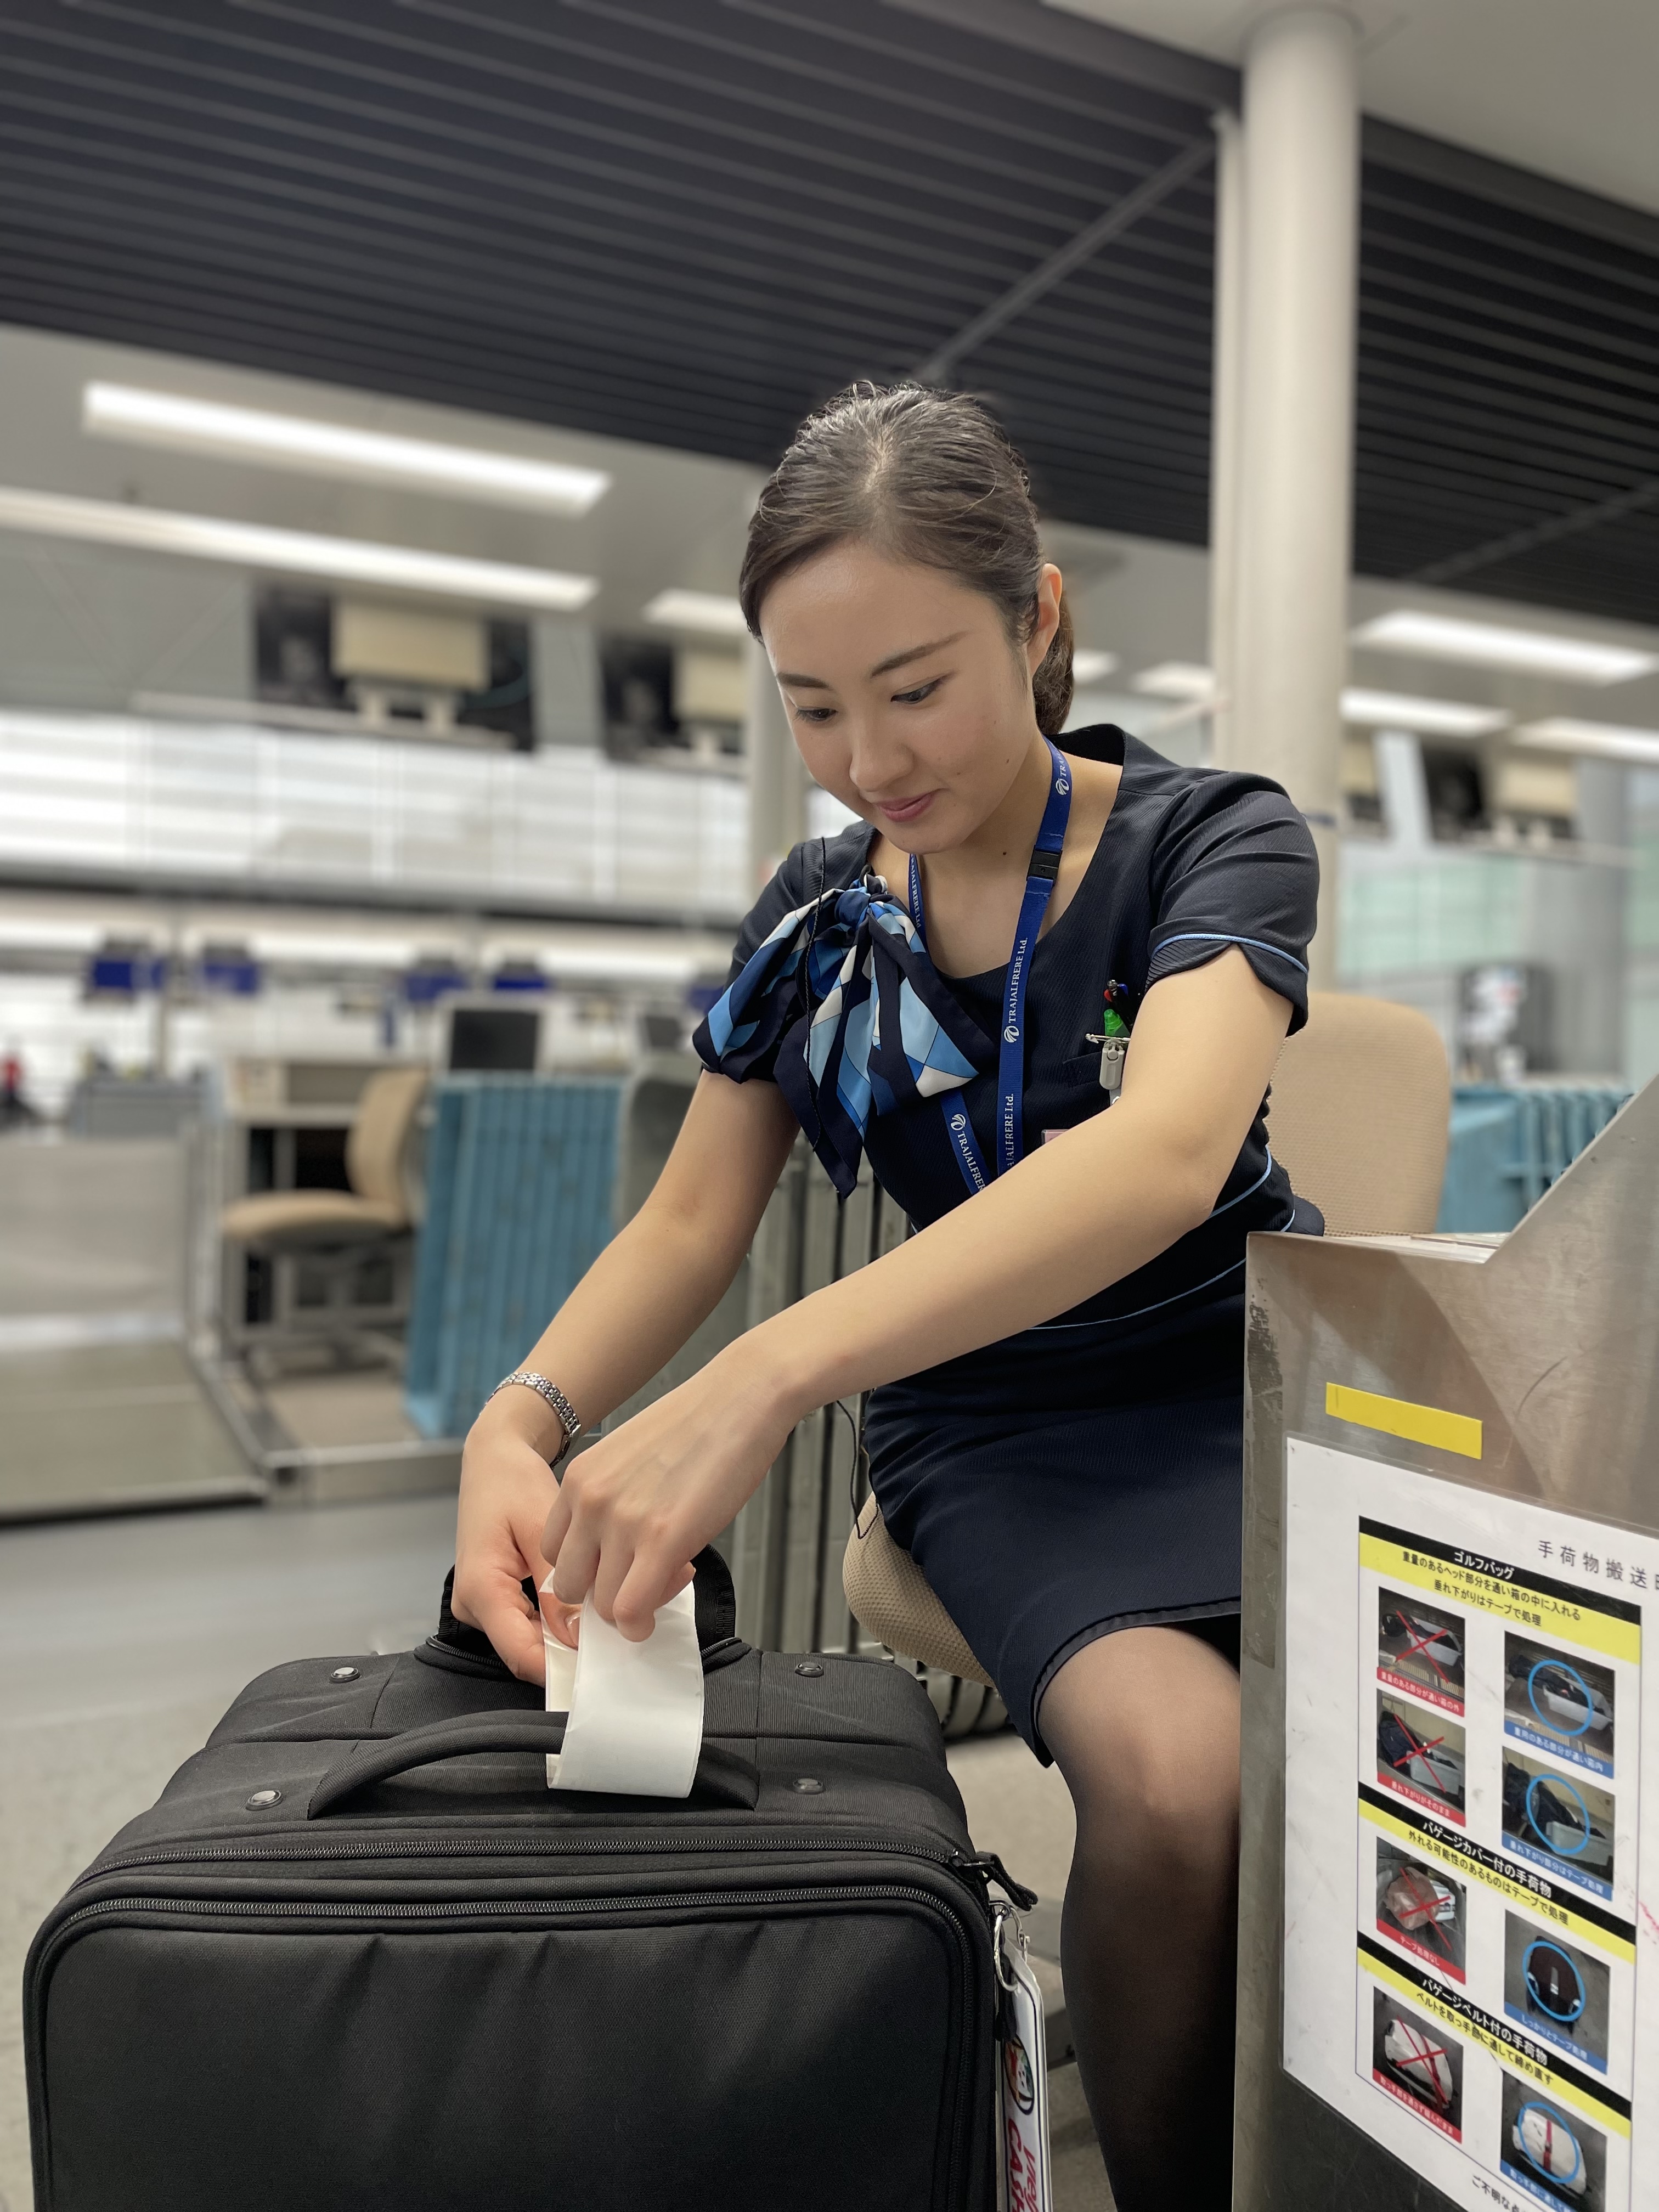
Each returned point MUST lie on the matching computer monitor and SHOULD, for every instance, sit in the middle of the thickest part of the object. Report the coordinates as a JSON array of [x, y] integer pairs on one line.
[[492, 1039]]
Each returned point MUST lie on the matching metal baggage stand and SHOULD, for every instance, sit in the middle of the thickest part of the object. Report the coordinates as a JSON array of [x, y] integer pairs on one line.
[[1518, 1376]]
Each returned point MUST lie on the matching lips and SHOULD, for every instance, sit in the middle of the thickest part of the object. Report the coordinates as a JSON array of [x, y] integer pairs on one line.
[[906, 810]]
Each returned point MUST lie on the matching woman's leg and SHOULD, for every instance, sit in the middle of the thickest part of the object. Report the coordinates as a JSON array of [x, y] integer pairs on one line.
[[1143, 1726]]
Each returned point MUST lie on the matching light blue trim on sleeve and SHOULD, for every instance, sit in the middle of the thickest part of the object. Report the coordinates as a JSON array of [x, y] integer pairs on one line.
[[1221, 937], [1116, 1320], [1243, 1195]]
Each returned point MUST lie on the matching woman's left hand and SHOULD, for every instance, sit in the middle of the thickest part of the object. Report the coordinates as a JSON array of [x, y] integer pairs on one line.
[[634, 1509]]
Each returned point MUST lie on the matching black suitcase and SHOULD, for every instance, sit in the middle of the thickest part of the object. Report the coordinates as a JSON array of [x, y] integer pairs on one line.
[[359, 1955]]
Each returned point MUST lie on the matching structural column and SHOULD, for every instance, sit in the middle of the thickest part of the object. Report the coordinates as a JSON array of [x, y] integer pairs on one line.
[[777, 777], [1287, 573], [1226, 389]]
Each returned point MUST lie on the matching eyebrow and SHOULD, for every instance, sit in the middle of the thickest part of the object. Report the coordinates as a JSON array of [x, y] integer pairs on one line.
[[915, 653], [882, 667]]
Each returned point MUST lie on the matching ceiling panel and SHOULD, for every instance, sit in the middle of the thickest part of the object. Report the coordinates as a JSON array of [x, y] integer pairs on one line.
[[688, 220]]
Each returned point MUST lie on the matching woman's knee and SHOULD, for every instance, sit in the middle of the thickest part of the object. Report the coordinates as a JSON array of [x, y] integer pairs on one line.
[[1144, 1727]]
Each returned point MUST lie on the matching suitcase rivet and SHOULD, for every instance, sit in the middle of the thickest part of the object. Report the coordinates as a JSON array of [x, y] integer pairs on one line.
[[809, 1667], [807, 1787], [261, 1799], [344, 1674]]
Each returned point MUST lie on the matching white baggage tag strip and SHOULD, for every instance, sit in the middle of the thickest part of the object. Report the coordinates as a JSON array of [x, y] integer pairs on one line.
[[1023, 2076], [634, 1710]]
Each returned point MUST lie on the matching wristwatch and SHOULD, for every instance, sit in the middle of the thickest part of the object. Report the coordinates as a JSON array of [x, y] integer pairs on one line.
[[555, 1397]]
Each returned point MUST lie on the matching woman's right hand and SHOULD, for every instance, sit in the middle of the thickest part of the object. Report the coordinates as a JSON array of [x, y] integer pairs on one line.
[[507, 1491]]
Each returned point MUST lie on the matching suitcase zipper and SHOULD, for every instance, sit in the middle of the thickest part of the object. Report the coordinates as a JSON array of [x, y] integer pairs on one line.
[[550, 1908], [981, 1867]]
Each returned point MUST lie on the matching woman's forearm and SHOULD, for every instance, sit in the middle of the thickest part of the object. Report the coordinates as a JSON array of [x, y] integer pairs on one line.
[[1069, 1220], [654, 1284]]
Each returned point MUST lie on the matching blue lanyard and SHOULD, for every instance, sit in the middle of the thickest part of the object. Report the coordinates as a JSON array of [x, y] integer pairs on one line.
[[1011, 1054]]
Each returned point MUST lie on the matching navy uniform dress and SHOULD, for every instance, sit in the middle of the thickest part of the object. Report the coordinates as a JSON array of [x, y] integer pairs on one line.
[[1086, 1475]]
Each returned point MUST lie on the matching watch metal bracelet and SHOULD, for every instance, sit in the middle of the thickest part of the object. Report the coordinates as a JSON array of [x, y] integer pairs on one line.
[[555, 1397]]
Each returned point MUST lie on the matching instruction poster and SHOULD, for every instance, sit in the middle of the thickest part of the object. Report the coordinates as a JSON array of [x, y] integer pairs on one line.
[[1470, 1975]]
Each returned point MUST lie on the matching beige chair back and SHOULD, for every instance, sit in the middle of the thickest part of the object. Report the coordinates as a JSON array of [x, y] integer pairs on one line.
[[380, 1132], [889, 1595], [1360, 1115]]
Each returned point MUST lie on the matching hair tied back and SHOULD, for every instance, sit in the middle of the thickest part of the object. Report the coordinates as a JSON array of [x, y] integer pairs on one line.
[[924, 476]]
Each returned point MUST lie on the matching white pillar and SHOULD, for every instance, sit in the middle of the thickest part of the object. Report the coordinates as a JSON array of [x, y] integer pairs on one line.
[[777, 777], [1404, 790], [1291, 543], [1226, 385]]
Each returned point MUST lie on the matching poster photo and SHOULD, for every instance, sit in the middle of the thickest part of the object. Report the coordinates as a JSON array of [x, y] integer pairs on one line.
[[1481, 1758]]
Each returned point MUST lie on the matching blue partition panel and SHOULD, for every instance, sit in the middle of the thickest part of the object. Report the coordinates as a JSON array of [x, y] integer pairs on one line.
[[521, 1175], [1508, 1145]]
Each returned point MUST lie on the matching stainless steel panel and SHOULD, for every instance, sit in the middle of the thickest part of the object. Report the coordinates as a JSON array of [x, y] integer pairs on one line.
[[1552, 1340]]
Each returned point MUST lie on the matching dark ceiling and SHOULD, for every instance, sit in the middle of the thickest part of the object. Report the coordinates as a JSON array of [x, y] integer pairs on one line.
[[686, 221]]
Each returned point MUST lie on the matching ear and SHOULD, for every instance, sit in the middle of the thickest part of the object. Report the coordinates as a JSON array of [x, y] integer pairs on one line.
[[1051, 588]]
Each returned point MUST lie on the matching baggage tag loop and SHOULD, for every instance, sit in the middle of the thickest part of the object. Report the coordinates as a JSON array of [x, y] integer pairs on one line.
[[1022, 2073]]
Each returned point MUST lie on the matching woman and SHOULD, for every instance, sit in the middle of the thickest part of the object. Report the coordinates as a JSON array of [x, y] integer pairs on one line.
[[1056, 1356]]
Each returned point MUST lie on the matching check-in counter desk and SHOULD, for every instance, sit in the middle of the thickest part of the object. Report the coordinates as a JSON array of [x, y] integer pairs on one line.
[[1450, 1956]]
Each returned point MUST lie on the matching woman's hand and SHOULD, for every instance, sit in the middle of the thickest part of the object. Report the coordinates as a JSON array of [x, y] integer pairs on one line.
[[635, 1509], [507, 1487]]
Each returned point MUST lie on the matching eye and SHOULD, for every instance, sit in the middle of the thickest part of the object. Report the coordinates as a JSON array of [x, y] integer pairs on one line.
[[814, 713], [922, 691]]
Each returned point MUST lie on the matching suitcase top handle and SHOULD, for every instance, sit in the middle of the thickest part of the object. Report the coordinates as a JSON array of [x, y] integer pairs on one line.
[[722, 1779], [714, 1598]]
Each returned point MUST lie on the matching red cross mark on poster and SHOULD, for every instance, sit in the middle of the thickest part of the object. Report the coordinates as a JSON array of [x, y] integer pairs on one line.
[[1417, 1749]]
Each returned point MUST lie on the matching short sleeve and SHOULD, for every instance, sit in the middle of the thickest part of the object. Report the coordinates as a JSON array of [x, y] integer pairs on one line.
[[1234, 864], [810, 868], [785, 890]]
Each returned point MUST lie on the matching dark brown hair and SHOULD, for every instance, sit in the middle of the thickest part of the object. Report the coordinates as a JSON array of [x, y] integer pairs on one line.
[[924, 476]]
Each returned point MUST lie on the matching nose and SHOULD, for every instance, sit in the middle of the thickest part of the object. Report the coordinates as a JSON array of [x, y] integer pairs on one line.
[[876, 765]]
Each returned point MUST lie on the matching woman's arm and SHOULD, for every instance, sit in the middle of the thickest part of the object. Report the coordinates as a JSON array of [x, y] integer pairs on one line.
[[1072, 1218], [651, 1286]]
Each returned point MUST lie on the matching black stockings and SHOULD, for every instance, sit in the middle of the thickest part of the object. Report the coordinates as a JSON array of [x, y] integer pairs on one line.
[[1143, 1726]]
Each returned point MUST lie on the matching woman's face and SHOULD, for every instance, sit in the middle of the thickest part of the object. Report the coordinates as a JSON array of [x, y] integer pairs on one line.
[[906, 697]]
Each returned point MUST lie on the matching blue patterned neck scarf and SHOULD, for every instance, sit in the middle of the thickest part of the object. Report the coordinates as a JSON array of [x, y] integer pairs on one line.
[[861, 1020]]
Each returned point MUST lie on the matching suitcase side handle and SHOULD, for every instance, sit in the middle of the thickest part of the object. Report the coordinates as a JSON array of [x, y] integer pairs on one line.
[[722, 1777]]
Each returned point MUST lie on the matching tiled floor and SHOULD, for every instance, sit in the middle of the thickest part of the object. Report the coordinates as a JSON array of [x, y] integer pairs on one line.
[[122, 1642], [94, 1228], [98, 1405], [109, 1425]]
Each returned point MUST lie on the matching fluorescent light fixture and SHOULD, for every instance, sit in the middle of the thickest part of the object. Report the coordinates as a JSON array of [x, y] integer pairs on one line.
[[1496, 645], [1562, 734], [300, 948], [296, 441], [354, 560], [709, 611], [1177, 679], [1435, 718], [1090, 666]]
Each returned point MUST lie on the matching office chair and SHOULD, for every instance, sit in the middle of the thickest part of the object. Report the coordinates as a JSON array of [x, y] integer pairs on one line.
[[337, 1230]]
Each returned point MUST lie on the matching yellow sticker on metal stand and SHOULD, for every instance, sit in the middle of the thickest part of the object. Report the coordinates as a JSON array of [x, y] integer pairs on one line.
[[1398, 1417]]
